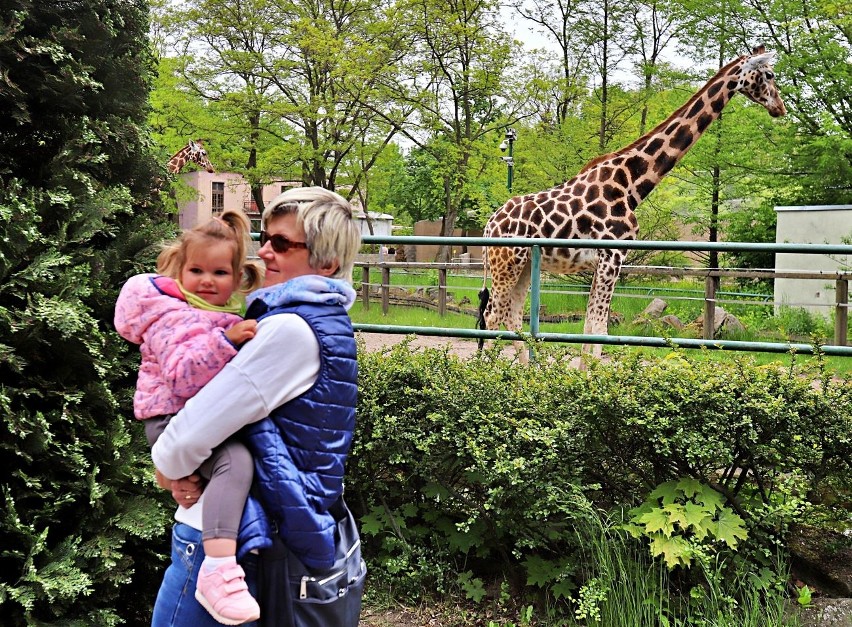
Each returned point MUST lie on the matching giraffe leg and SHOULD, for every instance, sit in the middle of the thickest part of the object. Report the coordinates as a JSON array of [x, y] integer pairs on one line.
[[510, 278], [516, 310], [600, 297]]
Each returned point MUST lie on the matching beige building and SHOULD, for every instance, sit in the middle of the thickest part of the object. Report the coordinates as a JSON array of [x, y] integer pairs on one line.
[[218, 191], [227, 190], [425, 253]]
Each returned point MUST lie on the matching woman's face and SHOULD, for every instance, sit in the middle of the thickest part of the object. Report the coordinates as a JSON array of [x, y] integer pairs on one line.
[[281, 267]]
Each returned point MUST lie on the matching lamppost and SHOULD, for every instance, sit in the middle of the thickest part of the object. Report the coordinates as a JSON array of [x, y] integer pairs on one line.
[[509, 142]]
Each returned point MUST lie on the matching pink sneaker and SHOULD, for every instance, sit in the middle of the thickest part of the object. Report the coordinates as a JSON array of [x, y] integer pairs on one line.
[[223, 592]]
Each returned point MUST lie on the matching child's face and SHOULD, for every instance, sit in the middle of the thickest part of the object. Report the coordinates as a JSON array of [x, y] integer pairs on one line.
[[207, 272]]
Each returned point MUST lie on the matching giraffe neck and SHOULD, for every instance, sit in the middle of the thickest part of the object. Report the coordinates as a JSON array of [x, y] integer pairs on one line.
[[648, 159], [179, 160]]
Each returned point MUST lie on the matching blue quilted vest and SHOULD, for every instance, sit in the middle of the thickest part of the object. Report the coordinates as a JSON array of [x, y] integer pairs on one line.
[[300, 450]]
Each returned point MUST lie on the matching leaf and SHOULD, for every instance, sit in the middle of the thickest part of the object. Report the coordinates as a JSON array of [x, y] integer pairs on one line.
[[373, 523], [690, 487], [563, 589], [697, 519], [804, 598], [473, 587], [675, 551], [665, 492], [676, 513], [710, 499], [730, 527], [540, 572], [657, 521]]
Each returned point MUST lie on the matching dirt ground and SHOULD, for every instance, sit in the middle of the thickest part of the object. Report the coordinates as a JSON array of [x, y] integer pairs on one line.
[[377, 341]]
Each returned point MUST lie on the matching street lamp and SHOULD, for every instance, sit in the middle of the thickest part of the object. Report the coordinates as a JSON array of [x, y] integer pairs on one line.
[[509, 142]]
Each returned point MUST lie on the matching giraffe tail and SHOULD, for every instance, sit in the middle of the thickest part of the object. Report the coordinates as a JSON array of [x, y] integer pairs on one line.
[[484, 296]]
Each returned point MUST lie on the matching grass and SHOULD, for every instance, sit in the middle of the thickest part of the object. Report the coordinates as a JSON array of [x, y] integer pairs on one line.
[[621, 586], [625, 587], [685, 300]]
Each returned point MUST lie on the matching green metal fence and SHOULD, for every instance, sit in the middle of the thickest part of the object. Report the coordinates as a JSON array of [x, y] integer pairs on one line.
[[841, 309]]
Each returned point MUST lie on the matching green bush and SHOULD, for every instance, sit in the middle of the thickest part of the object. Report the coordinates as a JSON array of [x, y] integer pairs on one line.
[[466, 468]]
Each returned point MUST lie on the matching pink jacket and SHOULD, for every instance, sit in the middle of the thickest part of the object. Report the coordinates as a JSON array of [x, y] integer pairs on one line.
[[182, 347]]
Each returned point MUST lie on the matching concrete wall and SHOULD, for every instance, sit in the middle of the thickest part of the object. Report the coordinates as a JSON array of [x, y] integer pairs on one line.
[[811, 224]]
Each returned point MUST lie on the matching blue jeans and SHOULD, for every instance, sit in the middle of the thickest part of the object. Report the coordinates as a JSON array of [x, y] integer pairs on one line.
[[176, 605]]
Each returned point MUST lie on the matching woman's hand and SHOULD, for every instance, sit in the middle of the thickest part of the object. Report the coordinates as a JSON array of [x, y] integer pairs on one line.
[[185, 492]]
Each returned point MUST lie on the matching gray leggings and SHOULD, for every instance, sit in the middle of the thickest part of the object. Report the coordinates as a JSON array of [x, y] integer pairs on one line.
[[229, 472]]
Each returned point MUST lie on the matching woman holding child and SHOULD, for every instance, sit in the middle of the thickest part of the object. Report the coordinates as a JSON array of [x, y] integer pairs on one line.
[[291, 389]]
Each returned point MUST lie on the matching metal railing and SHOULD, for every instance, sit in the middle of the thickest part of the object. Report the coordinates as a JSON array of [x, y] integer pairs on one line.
[[841, 306]]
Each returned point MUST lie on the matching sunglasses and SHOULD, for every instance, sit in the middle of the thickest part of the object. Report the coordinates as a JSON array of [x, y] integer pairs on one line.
[[279, 243]]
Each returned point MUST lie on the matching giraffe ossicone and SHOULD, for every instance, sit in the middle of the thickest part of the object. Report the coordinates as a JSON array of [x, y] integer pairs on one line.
[[600, 202]]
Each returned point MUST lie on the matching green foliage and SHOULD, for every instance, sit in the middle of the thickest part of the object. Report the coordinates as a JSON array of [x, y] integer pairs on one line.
[[751, 224], [79, 526], [682, 517], [463, 470]]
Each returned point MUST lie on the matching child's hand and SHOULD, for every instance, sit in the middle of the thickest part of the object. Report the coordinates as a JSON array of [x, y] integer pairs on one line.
[[241, 332]]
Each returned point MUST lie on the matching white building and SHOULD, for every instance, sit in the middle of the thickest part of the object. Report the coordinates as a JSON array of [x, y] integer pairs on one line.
[[811, 224]]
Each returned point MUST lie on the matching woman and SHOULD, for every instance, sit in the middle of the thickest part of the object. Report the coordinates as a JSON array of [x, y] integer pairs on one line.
[[294, 385]]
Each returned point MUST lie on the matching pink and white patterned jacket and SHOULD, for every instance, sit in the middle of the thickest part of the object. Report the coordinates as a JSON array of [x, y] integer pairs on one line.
[[182, 347]]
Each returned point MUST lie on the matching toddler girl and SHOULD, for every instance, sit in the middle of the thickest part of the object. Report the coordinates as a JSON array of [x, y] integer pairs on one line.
[[187, 322]]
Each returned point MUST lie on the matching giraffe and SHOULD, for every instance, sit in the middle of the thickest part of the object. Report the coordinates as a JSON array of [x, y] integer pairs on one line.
[[194, 151], [600, 201]]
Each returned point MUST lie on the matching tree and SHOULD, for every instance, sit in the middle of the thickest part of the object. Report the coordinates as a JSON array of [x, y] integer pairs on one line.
[[559, 21], [813, 40], [222, 50], [297, 84], [461, 90], [75, 174], [655, 29]]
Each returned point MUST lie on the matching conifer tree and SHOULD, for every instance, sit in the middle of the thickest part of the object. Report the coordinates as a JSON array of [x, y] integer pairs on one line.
[[81, 528]]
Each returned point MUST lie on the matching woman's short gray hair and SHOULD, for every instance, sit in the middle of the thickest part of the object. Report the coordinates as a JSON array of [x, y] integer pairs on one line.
[[331, 232]]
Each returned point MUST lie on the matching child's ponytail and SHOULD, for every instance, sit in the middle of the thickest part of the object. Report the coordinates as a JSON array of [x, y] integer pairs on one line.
[[249, 272]]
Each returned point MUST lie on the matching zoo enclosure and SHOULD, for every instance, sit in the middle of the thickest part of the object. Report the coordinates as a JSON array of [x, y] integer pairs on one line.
[[711, 277]]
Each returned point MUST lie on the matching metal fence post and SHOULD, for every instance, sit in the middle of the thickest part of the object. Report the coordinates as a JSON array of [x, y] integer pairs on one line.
[[841, 311], [535, 294]]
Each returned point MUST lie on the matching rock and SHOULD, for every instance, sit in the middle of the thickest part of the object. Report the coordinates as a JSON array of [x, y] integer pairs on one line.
[[655, 309], [823, 559], [673, 321], [722, 320], [827, 612], [732, 324]]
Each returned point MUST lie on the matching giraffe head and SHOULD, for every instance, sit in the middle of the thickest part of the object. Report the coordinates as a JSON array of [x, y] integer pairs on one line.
[[757, 81], [198, 155]]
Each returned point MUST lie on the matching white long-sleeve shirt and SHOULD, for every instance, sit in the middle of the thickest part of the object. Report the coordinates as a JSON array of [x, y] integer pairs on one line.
[[281, 362]]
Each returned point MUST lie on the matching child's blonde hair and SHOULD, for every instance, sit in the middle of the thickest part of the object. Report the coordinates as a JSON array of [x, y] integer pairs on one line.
[[232, 227]]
